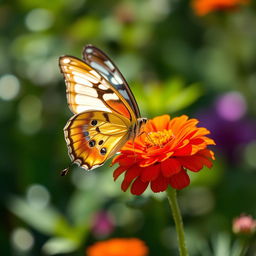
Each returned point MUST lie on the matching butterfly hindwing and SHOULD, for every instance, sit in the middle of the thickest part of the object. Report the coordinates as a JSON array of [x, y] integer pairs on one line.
[[94, 136], [88, 90], [104, 66]]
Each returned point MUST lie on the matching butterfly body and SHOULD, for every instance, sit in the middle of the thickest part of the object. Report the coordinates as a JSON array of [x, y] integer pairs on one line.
[[106, 113]]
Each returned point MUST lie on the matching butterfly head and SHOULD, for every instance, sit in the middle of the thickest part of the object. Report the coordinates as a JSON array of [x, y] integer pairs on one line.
[[142, 120], [140, 123]]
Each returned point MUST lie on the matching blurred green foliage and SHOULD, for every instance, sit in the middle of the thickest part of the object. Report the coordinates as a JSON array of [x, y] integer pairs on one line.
[[176, 63]]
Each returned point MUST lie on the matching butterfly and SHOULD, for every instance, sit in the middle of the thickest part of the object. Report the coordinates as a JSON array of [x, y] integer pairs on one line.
[[106, 114]]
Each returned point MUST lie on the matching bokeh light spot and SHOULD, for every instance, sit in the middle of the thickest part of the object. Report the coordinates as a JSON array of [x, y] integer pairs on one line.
[[39, 19], [231, 106], [38, 196], [22, 239], [9, 87]]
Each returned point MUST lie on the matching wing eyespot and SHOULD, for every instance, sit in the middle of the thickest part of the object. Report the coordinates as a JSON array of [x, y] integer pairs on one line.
[[103, 151], [92, 143], [94, 122], [101, 142]]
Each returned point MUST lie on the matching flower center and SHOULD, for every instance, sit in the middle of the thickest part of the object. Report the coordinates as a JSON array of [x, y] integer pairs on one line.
[[159, 138]]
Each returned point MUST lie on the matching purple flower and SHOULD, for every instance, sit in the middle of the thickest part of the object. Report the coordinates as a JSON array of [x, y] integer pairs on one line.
[[230, 128], [231, 106], [103, 224]]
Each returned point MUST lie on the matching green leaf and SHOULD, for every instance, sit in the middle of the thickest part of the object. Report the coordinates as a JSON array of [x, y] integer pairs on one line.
[[184, 98], [169, 97], [43, 220], [46, 220], [57, 245]]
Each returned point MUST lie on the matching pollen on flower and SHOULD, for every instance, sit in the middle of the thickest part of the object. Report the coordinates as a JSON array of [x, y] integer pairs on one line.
[[159, 138]]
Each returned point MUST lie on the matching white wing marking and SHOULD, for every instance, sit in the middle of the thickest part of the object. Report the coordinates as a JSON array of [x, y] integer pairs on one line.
[[85, 76], [66, 60], [79, 88], [82, 81], [86, 100], [110, 96], [109, 64]]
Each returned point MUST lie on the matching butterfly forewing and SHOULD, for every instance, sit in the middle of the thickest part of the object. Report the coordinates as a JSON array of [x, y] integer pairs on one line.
[[94, 136], [88, 90], [103, 64]]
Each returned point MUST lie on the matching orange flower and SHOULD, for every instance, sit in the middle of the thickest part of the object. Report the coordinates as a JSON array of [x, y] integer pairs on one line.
[[203, 7], [118, 247], [162, 155]]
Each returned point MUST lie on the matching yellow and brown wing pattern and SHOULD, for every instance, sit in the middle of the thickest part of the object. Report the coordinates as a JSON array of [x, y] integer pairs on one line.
[[94, 136]]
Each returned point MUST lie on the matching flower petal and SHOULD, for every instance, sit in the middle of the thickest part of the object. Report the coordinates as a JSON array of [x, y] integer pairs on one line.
[[180, 180], [177, 123], [148, 161], [138, 187], [170, 167], [156, 151], [184, 151], [122, 160], [125, 160], [195, 163], [159, 184], [158, 123], [150, 173], [130, 175], [206, 153], [118, 171], [161, 122]]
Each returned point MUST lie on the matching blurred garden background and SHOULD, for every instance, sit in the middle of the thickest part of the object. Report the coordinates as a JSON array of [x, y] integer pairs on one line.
[[178, 59]]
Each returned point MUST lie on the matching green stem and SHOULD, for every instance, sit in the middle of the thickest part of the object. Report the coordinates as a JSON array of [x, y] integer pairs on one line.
[[172, 198], [244, 247]]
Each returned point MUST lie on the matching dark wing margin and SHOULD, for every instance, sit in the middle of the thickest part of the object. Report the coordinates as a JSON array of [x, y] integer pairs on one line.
[[103, 64]]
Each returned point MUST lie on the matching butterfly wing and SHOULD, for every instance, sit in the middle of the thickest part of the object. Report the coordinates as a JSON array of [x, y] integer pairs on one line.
[[88, 90], [94, 136], [104, 119], [103, 65]]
